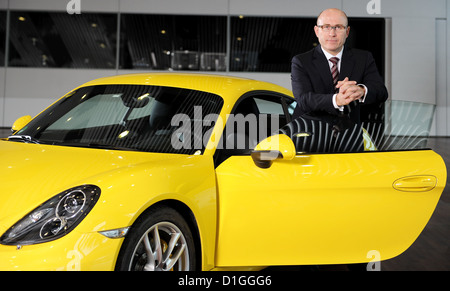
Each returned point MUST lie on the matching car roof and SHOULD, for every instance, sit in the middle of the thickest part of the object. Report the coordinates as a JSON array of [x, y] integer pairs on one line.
[[228, 87]]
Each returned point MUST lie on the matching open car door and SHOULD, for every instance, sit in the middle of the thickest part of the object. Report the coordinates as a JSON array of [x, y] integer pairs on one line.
[[311, 195]]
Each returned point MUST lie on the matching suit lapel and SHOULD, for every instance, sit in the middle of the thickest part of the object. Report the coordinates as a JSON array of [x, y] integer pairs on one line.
[[347, 64], [321, 64]]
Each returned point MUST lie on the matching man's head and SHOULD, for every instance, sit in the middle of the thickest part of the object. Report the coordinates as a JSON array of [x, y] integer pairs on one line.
[[332, 30]]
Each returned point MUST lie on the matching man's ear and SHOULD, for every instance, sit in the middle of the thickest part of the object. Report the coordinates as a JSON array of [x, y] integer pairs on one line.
[[316, 30]]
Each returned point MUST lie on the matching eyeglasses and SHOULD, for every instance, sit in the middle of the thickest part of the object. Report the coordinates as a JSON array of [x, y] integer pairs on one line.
[[328, 28]]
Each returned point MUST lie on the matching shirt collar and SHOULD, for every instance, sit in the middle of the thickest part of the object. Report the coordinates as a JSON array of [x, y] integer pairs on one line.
[[329, 56]]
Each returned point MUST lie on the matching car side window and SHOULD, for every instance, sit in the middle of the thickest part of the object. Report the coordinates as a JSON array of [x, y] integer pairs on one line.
[[401, 125], [271, 116], [291, 104], [312, 135], [253, 119]]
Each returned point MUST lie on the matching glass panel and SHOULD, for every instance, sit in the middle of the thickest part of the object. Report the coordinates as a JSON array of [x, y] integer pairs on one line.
[[61, 40], [254, 119], [291, 106], [2, 37], [269, 107], [405, 126], [170, 42], [129, 117], [408, 125], [267, 44], [173, 42], [369, 34], [312, 135]]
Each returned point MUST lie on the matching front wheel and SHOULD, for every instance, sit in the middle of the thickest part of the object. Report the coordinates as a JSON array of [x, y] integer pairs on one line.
[[162, 241]]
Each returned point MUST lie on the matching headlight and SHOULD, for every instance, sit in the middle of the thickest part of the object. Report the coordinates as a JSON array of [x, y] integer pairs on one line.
[[54, 218]]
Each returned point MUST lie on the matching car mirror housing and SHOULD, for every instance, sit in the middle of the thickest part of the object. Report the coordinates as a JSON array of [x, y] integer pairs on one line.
[[274, 147], [20, 123]]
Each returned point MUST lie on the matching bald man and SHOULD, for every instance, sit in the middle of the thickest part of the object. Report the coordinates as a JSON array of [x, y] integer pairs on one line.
[[332, 80]]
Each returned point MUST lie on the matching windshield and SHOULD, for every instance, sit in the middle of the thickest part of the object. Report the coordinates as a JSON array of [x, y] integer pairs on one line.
[[128, 117]]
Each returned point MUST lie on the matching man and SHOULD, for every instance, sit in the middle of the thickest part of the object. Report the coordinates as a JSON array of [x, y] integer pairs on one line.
[[328, 88]]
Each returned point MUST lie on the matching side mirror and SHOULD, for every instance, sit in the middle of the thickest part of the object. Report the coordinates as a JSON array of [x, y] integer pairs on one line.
[[20, 123], [274, 147]]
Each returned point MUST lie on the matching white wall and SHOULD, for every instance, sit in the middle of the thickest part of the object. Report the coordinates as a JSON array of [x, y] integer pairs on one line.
[[442, 116], [416, 65], [2, 94], [30, 90]]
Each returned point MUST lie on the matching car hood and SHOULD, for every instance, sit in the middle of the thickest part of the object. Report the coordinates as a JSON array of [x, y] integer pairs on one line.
[[33, 173]]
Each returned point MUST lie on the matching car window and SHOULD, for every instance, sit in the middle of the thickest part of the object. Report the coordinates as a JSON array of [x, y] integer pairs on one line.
[[254, 118], [129, 117], [291, 104], [100, 110], [403, 126], [269, 106]]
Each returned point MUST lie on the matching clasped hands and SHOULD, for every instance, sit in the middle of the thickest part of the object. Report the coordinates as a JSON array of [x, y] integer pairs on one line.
[[349, 91]]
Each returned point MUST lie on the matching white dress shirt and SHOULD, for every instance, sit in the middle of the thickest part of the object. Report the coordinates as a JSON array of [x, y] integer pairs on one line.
[[339, 56]]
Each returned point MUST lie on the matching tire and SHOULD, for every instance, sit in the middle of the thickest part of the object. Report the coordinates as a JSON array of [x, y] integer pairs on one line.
[[162, 241]]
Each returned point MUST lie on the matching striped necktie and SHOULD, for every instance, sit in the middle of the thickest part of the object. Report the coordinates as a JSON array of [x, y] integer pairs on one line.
[[334, 71]]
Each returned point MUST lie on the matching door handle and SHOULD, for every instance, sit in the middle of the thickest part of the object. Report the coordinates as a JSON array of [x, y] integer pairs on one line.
[[415, 183]]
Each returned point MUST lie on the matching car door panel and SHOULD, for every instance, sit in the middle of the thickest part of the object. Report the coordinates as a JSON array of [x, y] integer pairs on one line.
[[325, 208]]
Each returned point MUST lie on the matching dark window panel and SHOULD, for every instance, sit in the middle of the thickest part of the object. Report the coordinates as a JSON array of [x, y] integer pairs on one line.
[[267, 44], [178, 42], [61, 40], [170, 42], [2, 37]]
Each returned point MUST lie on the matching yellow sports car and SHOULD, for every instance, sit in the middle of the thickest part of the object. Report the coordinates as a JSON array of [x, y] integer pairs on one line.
[[203, 172]]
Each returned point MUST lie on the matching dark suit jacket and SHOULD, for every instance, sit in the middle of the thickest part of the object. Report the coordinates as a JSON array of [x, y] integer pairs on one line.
[[312, 83]]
